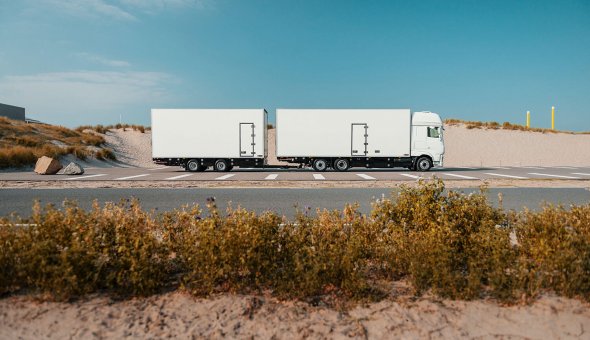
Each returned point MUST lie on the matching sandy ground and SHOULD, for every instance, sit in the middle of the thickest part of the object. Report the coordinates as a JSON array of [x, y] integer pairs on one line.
[[481, 147], [131, 147], [180, 315]]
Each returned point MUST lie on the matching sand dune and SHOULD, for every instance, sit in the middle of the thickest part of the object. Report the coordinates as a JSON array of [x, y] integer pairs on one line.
[[483, 147], [228, 316]]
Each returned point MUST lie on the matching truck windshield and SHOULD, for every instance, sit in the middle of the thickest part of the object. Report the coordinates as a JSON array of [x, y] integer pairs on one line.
[[433, 132]]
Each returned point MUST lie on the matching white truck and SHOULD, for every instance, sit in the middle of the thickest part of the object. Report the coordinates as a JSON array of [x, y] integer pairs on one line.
[[320, 138]]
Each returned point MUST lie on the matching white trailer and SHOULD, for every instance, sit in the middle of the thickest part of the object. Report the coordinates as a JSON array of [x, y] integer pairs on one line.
[[338, 138], [198, 138], [343, 138]]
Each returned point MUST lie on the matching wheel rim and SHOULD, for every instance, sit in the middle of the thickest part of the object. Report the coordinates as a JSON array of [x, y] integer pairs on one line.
[[221, 166], [192, 166], [423, 164], [341, 164], [321, 165]]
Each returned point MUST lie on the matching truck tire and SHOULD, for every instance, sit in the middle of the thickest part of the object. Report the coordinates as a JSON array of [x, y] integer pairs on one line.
[[423, 164], [193, 165], [320, 164], [341, 164], [221, 165]]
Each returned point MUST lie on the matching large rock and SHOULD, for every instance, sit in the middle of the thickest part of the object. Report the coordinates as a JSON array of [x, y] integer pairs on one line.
[[47, 166], [73, 169]]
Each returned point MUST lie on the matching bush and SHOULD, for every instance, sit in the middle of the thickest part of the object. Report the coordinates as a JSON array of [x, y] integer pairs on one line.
[[446, 242], [555, 250], [105, 153]]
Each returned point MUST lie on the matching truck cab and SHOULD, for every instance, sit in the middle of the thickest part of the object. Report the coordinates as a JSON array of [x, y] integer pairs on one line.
[[427, 140]]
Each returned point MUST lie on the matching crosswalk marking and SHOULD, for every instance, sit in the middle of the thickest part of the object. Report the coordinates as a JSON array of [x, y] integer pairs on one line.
[[411, 176], [507, 176], [83, 177], [130, 177], [580, 173], [556, 176], [532, 167], [272, 176], [159, 168], [225, 176], [180, 176], [501, 167], [318, 176], [461, 176], [365, 176]]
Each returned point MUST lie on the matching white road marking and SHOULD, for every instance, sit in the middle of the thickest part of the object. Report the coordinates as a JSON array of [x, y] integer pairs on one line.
[[565, 167], [500, 167], [318, 176], [460, 176], [160, 168], [365, 176], [580, 173], [272, 176], [411, 176], [84, 177], [130, 177], [225, 176], [532, 167], [507, 176], [556, 176], [180, 176]]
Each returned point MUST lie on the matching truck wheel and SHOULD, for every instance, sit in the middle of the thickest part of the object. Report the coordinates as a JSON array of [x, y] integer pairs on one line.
[[193, 165], [423, 164], [320, 165], [221, 165], [341, 164]]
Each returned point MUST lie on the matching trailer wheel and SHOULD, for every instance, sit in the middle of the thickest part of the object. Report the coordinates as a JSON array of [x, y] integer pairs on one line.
[[193, 165], [423, 164], [221, 165], [320, 164], [341, 164]]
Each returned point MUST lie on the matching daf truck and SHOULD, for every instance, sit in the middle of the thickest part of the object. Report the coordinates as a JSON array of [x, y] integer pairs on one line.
[[323, 139]]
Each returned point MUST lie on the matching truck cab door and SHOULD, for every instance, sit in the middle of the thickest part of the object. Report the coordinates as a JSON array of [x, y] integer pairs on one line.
[[359, 139], [247, 141]]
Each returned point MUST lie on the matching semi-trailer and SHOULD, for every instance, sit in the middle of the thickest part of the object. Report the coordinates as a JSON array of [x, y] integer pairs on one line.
[[197, 139]]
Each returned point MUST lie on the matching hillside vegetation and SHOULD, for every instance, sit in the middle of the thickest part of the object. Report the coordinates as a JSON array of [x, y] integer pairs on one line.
[[504, 126], [22, 143]]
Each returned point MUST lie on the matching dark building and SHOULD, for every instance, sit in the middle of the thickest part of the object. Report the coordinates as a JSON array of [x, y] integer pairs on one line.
[[12, 112]]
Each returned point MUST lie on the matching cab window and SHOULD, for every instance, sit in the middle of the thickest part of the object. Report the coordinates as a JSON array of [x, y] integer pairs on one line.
[[433, 132]]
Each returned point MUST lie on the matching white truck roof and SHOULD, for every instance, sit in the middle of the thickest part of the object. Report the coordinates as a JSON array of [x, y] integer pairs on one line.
[[426, 118]]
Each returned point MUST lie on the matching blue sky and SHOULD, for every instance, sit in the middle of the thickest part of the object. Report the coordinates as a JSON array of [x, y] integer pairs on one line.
[[74, 62]]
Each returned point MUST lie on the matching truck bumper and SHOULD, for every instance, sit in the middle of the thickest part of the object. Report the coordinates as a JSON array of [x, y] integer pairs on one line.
[[440, 162]]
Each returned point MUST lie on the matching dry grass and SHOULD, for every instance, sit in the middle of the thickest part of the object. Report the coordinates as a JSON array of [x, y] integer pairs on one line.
[[22, 143], [504, 126], [103, 129], [451, 244]]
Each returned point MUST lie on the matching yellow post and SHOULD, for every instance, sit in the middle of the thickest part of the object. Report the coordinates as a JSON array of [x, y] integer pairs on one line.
[[528, 119], [552, 117]]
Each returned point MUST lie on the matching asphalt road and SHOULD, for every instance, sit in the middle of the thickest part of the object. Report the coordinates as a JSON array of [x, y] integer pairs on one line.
[[171, 174], [282, 201]]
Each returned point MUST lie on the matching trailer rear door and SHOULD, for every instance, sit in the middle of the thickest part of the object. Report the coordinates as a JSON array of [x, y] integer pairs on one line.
[[247, 140], [359, 139]]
